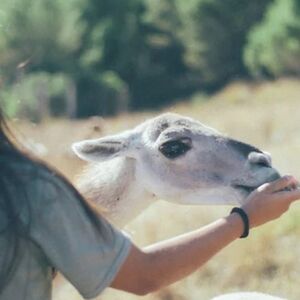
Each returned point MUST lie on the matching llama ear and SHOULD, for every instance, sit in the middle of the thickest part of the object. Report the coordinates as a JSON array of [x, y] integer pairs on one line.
[[101, 149]]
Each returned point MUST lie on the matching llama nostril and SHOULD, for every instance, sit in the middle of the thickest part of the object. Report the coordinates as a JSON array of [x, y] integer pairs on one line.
[[262, 159], [268, 157]]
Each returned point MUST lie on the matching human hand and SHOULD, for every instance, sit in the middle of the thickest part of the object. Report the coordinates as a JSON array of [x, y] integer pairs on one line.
[[271, 200]]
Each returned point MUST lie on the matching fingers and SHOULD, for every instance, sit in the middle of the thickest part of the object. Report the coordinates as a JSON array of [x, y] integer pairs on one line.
[[289, 196], [279, 184]]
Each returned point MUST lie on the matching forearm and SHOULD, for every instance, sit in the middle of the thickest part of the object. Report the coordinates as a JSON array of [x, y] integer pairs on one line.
[[174, 259], [166, 262]]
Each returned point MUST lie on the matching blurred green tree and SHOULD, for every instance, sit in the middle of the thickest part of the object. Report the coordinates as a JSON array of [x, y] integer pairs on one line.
[[38, 40], [136, 40], [215, 33], [273, 47], [118, 55], [38, 35], [39, 95]]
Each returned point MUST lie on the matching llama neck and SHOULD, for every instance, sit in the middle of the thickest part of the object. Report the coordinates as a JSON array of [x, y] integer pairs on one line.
[[113, 187]]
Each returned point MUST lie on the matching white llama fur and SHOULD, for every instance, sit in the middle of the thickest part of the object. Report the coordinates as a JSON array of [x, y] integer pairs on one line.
[[128, 171]]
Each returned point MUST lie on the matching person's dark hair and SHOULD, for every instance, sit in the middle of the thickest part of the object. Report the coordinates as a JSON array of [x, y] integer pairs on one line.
[[13, 198]]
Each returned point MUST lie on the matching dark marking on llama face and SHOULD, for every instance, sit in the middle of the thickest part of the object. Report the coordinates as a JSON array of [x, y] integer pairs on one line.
[[103, 149]]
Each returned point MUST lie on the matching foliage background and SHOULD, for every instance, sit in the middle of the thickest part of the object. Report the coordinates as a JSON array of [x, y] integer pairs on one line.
[[80, 58]]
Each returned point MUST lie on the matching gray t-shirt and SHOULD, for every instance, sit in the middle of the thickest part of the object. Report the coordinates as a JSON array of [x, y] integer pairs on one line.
[[64, 236]]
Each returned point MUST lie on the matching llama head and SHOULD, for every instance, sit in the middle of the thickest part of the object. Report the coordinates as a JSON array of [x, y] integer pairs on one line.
[[181, 160]]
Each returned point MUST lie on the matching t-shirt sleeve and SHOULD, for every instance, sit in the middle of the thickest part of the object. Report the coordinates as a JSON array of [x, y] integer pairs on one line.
[[87, 252]]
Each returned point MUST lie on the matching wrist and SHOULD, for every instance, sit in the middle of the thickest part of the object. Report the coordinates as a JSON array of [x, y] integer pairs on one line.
[[245, 220], [236, 224]]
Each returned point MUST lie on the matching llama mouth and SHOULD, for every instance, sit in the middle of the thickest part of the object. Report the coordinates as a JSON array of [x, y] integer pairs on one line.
[[244, 188], [249, 189]]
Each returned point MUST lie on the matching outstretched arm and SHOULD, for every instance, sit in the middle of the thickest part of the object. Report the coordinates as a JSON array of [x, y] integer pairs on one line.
[[161, 264], [149, 269]]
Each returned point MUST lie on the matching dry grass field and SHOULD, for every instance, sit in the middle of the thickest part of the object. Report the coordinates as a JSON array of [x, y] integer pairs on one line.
[[264, 114]]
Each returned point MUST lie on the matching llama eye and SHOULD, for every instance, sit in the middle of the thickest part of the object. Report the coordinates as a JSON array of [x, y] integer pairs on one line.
[[176, 148]]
